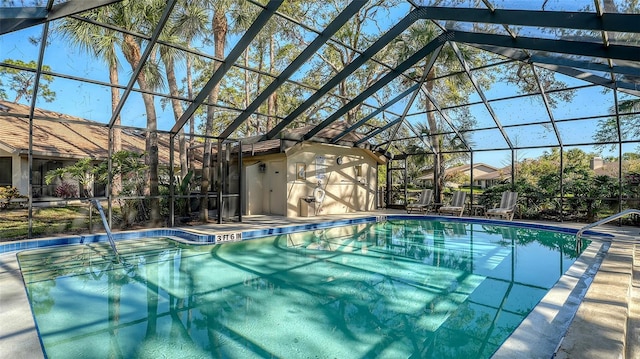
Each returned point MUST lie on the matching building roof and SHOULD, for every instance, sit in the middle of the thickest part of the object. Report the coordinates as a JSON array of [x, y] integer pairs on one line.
[[498, 174], [467, 167], [290, 137], [56, 135], [428, 173], [607, 169]]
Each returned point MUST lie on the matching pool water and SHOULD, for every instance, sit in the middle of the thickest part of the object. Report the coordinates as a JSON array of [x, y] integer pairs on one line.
[[395, 289]]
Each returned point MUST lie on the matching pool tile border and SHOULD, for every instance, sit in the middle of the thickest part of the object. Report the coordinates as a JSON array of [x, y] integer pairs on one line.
[[189, 237]]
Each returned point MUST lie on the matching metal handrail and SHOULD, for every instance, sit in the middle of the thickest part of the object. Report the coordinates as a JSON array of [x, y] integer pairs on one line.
[[107, 228], [606, 220]]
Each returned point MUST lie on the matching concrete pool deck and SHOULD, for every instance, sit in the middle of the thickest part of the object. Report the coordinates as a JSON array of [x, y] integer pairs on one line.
[[606, 324]]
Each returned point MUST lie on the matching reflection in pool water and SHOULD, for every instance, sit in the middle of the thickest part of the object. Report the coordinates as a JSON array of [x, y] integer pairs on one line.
[[405, 288]]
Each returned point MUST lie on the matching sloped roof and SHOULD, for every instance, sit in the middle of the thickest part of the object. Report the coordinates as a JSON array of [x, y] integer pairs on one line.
[[291, 137], [467, 167], [608, 169], [61, 136], [58, 135], [498, 174], [428, 174]]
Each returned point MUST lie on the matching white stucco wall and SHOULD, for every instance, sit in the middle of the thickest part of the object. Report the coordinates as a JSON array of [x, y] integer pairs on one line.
[[277, 190], [345, 192]]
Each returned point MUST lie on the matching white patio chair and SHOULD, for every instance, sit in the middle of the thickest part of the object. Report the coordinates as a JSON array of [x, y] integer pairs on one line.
[[507, 207], [456, 208], [424, 202]]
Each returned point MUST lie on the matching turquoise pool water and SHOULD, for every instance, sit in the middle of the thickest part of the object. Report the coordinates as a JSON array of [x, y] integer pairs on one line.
[[396, 289]]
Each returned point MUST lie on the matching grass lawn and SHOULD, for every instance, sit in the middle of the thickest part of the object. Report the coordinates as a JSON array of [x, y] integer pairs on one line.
[[51, 221]]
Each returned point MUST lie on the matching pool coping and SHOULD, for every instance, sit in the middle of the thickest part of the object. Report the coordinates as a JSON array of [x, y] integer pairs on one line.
[[22, 339]]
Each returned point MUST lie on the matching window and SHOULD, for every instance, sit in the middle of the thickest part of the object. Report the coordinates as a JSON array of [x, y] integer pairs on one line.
[[5, 171], [40, 169]]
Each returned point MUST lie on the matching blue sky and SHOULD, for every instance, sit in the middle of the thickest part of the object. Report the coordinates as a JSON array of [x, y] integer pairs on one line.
[[93, 101]]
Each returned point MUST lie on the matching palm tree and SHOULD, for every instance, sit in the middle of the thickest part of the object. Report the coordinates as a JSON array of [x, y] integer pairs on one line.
[[190, 22], [175, 29], [220, 27], [101, 42], [242, 18], [417, 36], [168, 56], [146, 13]]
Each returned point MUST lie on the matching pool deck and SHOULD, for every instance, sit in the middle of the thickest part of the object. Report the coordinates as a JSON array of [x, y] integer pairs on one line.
[[606, 324]]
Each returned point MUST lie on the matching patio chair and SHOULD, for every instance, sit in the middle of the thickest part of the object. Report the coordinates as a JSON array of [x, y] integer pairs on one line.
[[457, 204], [424, 202], [507, 207], [458, 229]]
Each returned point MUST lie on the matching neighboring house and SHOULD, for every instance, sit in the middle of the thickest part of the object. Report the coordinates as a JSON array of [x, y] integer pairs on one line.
[[611, 169], [484, 175], [602, 168], [58, 140], [490, 179]]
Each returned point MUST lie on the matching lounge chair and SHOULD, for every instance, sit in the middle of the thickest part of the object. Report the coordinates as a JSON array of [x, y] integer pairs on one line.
[[507, 207], [457, 204], [424, 202]]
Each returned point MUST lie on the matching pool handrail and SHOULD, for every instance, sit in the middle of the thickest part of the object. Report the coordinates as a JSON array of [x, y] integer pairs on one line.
[[106, 228], [605, 220]]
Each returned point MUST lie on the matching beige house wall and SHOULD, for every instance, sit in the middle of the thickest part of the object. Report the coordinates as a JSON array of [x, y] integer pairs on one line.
[[478, 171], [345, 192], [265, 185], [274, 186]]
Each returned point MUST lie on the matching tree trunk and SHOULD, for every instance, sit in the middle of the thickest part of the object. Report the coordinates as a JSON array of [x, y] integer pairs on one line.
[[247, 91], [131, 51], [271, 101], [192, 124], [116, 184], [436, 142], [219, 25], [169, 65], [258, 82]]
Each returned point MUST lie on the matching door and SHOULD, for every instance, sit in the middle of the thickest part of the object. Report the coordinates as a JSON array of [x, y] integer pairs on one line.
[[277, 187]]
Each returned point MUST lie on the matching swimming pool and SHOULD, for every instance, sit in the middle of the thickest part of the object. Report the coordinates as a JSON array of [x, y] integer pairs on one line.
[[398, 288]]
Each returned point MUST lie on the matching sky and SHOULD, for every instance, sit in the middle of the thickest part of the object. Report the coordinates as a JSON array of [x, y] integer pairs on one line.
[[93, 102]]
